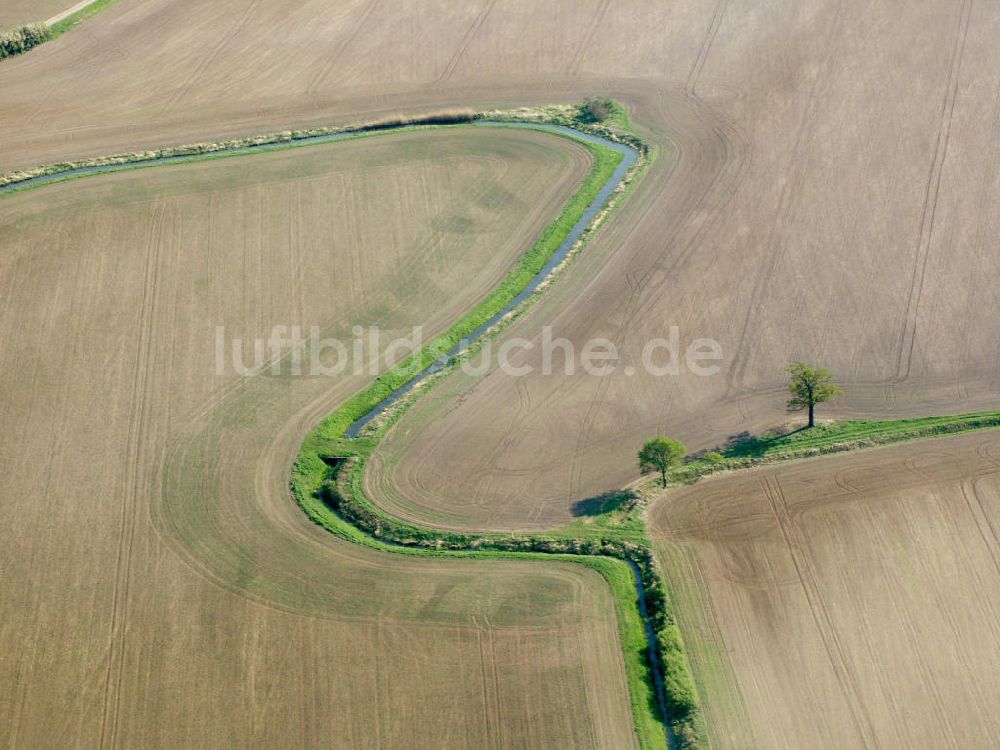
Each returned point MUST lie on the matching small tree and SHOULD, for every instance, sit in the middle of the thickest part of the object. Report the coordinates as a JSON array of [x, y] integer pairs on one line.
[[660, 454], [810, 386], [596, 110], [714, 458]]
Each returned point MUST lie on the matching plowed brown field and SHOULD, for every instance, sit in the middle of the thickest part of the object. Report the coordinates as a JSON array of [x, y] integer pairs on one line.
[[17, 12], [849, 601], [160, 588]]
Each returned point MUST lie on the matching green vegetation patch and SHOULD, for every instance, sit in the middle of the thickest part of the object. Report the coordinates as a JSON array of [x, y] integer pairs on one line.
[[23, 38], [635, 647], [605, 111]]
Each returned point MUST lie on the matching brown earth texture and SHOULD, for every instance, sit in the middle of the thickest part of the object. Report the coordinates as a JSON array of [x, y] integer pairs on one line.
[[848, 601]]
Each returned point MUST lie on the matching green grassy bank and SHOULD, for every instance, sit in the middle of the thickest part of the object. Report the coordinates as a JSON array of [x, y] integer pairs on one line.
[[745, 450]]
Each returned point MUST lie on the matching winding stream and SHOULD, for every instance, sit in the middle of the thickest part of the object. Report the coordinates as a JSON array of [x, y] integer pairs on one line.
[[629, 156]]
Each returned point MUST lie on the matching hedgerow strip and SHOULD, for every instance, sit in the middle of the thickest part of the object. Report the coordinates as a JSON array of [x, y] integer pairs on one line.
[[232, 146], [19, 40], [823, 439]]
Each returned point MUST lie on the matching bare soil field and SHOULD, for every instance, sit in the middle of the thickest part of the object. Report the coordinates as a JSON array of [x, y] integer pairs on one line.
[[160, 588], [18, 12], [827, 189], [848, 601]]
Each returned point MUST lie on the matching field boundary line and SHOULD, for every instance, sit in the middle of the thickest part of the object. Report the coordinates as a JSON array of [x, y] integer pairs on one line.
[[47, 174], [920, 428]]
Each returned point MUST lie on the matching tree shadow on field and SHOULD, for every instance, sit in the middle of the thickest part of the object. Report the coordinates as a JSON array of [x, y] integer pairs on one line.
[[606, 503], [745, 445]]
